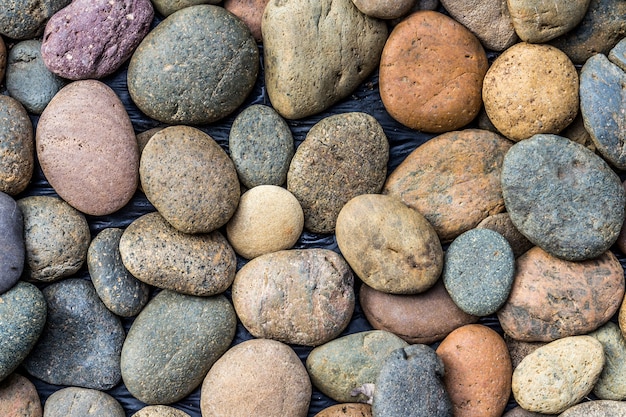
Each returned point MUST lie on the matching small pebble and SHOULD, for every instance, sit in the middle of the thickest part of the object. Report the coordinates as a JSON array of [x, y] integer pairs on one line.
[[520, 412], [160, 411], [17, 144], [80, 402], [19, 397], [12, 249], [502, 224]]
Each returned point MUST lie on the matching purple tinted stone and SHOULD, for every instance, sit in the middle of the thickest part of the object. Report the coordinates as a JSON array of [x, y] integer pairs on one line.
[[12, 250]]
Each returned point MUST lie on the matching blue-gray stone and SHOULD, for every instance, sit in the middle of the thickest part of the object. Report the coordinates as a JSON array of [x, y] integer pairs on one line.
[[562, 197], [82, 340], [22, 319], [12, 250], [410, 384], [618, 54], [478, 271], [118, 289], [25, 19], [28, 80], [261, 146]]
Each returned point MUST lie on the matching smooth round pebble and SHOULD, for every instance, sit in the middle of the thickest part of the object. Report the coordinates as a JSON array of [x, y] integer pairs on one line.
[[384, 9], [26, 19], [12, 249], [160, 411], [346, 410], [540, 22], [19, 397], [612, 382], [80, 402], [502, 224], [257, 377], [268, 219], [596, 408], [17, 144]]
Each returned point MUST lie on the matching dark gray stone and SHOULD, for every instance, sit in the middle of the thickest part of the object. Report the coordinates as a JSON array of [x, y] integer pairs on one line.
[[22, 319], [82, 340], [17, 156], [81, 402], [12, 250], [118, 289], [410, 384], [478, 271], [25, 19], [562, 197]]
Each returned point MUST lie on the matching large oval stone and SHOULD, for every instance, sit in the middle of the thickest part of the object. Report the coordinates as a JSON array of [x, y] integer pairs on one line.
[[25, 19], [159, 255], [12, 249], [298, 296], [19, 397], [612, 382], [317, 52], [540, 22], [80, 402], [553, 298], [17, 157], [173, 343], [210, 85], [87, 148]]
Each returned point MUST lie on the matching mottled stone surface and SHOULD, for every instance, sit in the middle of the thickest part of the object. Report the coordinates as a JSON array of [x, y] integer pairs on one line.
[[384, 9], [87, 149], [531, 89], [342, 156], [342, 365], [617, 55], [160, 411], [25, 19], [539, 22], [411, 379], [258, 377], [159, 255], [82, 340], [558, 375], [453, 180], [297, 296], [317, 53], [502, 224], [118, 289], [3, 58], [551, 183], [17, 158], [23, 312], [432, 80], [250, 12], [520, 412], [597, 408], [12, 249], [390, 246], [228, 66], [56, 237], [167, 7], [193, 195], [612, 382], [80, 402], [261, 146], [477, 371], [346, 410], [518, 350], [19, 397], [173, 343]]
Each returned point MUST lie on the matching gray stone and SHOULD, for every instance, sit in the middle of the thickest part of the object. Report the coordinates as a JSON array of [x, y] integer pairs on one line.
[[618, 54], [12, 250], [28, 80], [261, 146], [173, 343], [167, 7], [80, 402], [612, 382], [25, 19], [17, 145], [597, 408], [502, 224], [478, 271], [118, 289], [172, 93], [539, 22], [562, 197], [82, 340], [520, 412], [23, 313], [410, 384]]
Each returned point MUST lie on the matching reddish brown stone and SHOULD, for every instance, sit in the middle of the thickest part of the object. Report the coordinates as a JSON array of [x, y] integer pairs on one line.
[[519, 350], [250, 12], [346, 410], [19, 398], [502, 224]]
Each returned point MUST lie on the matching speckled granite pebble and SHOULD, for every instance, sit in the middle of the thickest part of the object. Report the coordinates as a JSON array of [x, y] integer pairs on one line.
[[19, 397], [25, 19], [81, 402], [23, 312], [551, 183], [502, 224], [160, 411], [173, 343], [228, 67], [612, 382], [82, 340], [261, 146], [56, 237], [12, 249], [17, 144], [118, 289], [539, 22], [597, 408], [346, 410]]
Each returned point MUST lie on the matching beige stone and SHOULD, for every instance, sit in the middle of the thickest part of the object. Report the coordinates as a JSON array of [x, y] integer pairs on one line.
[[346, 410], [541, 21], [384, 9], [160, 411]]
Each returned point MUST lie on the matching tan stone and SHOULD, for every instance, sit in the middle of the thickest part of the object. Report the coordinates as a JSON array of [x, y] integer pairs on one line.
[[346, 410], [160, 411], [250, 12], [19, 398], [384, 9]]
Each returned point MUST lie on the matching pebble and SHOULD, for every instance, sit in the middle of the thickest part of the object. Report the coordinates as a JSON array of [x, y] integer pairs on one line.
[[159, 255], [558, 375], [342, 156], [268, 219], [191, 194], [12, 249], [16, 146], [612, 382], [384, 9], [540, 22], [81, 343], [173, 343], [258, 377], [478, 271], [23, 309], [160, 411], [431, 80], [341, 366], [29, 19], [617, 55], [346, 410], [410, 384], [228, 68], [502, 224], [597, 408], [477, 371], [453, 180], [93, 38], [553, 298], [19, 397], [424, 318], [389, 246], [87, 149], [317, 53], [577, 132], [551, 183], [28, 80], [530, 89], [520, 412], [250, 12], [518, 350], [122, 293], [307, 299], [167, 7], [261, 146], [56, 237], [80, 402]]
